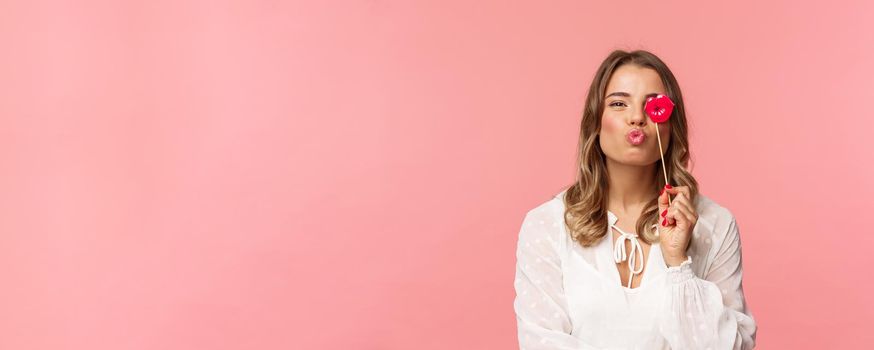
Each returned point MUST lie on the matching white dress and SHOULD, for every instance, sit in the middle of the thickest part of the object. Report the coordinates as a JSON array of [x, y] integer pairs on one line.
[[571, 297]]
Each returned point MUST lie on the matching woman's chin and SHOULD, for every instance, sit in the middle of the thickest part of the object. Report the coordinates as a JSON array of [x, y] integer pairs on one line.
[[638, 159]]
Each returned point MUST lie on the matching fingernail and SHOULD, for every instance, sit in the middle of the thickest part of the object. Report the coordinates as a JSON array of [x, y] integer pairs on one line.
[[668, 186], [664, 221], [665, 212], [661, 191]]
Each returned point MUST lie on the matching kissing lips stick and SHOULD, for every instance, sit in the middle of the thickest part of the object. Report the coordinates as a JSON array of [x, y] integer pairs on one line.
[[659, 109]]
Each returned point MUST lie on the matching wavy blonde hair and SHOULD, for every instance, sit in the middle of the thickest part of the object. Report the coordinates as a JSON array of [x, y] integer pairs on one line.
[[586, 200]]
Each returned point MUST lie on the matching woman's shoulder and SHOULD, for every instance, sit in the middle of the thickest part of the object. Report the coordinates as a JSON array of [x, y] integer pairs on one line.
[[544, 219], [548, 207]]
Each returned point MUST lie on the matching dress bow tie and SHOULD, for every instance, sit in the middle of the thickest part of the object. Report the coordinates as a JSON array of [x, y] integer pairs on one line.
[[620, 255]]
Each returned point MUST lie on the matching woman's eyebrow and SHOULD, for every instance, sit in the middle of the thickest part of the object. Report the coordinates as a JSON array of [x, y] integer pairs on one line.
[[625, 94]]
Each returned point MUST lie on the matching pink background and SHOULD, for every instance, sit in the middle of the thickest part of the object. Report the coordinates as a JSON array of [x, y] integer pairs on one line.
[[353, 175]]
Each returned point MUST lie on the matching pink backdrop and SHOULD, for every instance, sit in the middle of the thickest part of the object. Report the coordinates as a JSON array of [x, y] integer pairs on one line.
[[353, 175]]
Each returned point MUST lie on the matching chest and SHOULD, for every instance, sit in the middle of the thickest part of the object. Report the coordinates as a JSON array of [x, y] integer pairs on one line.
[[597, 291]]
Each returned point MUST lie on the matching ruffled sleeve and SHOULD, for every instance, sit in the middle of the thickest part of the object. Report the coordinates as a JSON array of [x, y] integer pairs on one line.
[[709, 313], [540, 304]]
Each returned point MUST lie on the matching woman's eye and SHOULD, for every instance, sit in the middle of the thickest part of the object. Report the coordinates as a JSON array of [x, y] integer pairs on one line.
[[618, 104]]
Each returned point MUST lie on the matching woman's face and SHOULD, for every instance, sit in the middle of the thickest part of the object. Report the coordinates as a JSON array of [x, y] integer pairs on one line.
[[626, 95]]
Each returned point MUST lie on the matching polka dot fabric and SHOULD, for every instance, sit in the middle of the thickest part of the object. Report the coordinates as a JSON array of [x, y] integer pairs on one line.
[[566, 302]]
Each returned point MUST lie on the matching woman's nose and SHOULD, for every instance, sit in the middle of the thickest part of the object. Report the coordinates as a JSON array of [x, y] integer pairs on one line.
[[638, 117]]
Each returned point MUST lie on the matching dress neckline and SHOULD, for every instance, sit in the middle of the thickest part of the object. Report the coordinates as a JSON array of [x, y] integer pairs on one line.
[[620, 255]]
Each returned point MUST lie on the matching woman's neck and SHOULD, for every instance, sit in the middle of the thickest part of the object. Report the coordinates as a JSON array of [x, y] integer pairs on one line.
[[631, 186]]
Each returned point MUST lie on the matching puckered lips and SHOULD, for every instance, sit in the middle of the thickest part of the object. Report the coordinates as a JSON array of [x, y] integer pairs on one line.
[[635, 137]]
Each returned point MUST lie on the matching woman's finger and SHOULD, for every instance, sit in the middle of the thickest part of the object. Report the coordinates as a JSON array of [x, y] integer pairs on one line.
[[686, 214], [676, 216], [669, 217], [680, 189], [681, 211], [683, 201], [663, 200], [680, 200]]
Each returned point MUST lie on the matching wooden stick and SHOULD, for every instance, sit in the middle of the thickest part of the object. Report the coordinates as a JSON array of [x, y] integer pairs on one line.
[[664, 170]]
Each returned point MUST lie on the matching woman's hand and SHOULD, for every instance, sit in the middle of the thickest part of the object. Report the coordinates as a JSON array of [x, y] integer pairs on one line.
[[677, 223]]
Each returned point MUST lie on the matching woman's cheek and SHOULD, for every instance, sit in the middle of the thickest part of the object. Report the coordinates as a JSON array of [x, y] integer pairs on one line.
[[610, 125]]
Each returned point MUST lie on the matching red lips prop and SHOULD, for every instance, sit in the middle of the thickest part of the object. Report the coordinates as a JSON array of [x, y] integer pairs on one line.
[[659, 109]]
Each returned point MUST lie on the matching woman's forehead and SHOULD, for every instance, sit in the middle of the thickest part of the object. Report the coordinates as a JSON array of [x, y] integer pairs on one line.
[[635, 80]]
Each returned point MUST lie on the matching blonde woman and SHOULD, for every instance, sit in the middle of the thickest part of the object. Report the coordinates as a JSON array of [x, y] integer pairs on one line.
[[609, 262]]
